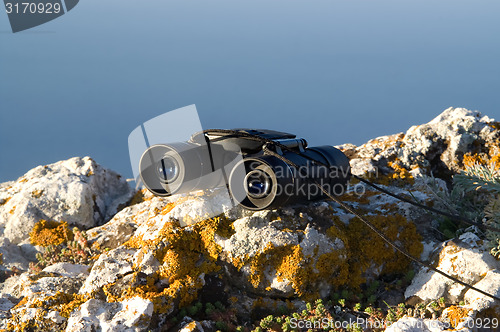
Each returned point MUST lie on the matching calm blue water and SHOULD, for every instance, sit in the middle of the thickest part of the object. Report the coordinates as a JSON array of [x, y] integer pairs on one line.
[[330, 71]]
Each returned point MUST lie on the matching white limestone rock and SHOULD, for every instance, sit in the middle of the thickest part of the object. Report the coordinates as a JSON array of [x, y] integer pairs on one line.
[[253, 234], [12, 255], [202, 207], [68, 270], [256, 233], [108, 268], [189, 325], [447, 137], [437, 146], [77, 190], [131, 315], [46, 284], [6, 303], [466, 259], [479, 302]]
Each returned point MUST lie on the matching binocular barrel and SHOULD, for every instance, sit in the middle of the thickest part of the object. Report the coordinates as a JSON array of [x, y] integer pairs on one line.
[[267, 182], [256, 181], [181, 168]]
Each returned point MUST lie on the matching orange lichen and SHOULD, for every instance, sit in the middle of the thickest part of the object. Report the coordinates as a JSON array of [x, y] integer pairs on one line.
[[37, 193], [494, 125], [138, 197], [290, 264], [47, 233], [4, 201], [496, 161], [62, 302], [184, 254], [470, 160], [401, 173], [456, 315], [397, 175], [386, 142], [366, 248]]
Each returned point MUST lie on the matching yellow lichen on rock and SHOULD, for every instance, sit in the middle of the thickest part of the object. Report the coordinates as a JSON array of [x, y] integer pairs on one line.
[[289, 263], [4, 201], [185, 255], [62, 302], [366, 248], [37, 193], [494, 125], [470, 160], [496, 160], [398, 174], [46, 232], [401, 173], [455, 315]]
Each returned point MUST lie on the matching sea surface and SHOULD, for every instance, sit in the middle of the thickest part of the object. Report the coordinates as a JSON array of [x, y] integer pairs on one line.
[[330, 71]]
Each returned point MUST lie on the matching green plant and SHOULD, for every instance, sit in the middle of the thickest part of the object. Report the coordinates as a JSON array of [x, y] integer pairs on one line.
[[209, 308], [442, 302], [73, 248], [220, 325], [476, 196], [485, 180]]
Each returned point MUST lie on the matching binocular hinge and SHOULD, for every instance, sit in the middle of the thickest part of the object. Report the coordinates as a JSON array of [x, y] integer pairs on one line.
[[293, 143]]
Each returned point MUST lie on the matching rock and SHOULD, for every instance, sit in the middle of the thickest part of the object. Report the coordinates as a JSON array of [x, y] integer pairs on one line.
[[42, 299], [12, 255], [460, 318], [261, 235], [160, 255], [48, 286], [286, 253], [68, 270], [438, 146], [6, 303], [198, 208], [78, 191], [465, 259], [109, 267], [94, 315], [479, 302], [469, 260], [189, 325]]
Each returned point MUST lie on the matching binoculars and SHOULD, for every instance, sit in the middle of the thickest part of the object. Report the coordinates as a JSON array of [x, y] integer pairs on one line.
[[255, 179]]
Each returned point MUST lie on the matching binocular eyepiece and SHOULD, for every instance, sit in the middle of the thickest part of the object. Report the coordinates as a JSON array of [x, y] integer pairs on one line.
[[255, 179]]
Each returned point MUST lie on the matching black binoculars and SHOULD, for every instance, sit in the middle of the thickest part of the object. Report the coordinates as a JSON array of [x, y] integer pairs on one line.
[[255, 178]]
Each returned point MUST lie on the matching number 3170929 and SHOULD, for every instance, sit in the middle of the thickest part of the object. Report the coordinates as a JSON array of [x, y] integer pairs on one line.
[[32, 8]]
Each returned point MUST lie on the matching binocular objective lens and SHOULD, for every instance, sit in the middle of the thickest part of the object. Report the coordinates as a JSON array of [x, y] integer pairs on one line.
[[257, 184], [168, 169]]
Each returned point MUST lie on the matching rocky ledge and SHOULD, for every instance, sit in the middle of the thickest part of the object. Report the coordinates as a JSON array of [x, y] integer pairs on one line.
[[80, 250]]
